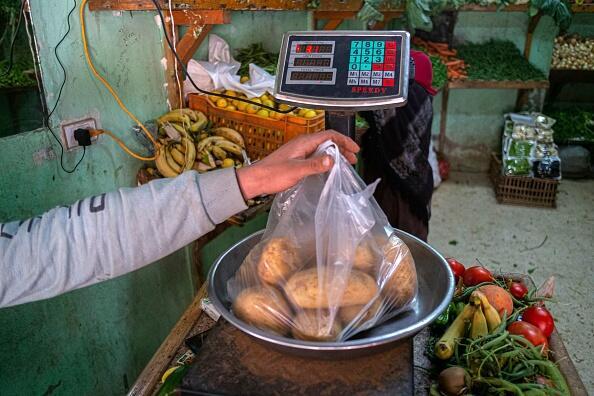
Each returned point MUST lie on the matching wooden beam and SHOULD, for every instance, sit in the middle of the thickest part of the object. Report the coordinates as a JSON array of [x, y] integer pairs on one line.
[[483, 84], [158, 364], [335, 14], [201, 17], [188, 45], [530, 34], [332, 24], [173, 85]]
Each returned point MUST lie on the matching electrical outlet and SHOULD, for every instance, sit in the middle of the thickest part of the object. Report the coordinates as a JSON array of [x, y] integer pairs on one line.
[[69, 127]]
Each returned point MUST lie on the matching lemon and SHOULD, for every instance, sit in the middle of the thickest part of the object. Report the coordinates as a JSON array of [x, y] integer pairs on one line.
[[231, 107], [264, 97], [256, 100], [222, 103], [228, 163], [309, 114], [241, 106], [214, 98], [268, 103], [244, 79], [230, 93], [252, 109], [263, 113], [301, 112], [283, 107]]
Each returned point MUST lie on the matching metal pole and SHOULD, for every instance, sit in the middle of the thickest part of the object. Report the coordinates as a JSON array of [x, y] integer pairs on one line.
[[341, 121]]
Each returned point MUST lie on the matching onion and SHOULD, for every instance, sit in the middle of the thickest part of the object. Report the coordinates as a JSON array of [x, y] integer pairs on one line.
[[454, 381]]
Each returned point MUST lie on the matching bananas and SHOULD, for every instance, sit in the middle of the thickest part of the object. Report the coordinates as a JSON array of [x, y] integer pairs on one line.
[[230, 147], [491, 315], [186, 143], [230, 134], [184, 121], [163, 165], [478, 327]]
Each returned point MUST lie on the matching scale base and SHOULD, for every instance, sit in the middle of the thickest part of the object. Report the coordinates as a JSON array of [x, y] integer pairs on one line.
[[232, 363]]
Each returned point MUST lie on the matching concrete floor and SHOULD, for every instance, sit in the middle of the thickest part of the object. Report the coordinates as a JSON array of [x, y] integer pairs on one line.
[[467, 223]]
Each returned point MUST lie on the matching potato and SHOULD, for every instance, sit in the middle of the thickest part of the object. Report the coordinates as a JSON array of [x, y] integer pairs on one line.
[[279, 259], [401, 284], [263, 307], [347, 314], [365, 258], [303, 290], [315, 325]]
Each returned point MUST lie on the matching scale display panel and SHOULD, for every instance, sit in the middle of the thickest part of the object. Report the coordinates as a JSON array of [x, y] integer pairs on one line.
[[344, 70]]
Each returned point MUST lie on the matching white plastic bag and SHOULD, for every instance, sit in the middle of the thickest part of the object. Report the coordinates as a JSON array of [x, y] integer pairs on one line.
[[220, 72], [328, 265]]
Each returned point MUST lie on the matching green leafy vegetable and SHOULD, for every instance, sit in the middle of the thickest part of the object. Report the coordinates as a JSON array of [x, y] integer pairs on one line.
[[440, 72], [257, 55], [497, 60], [556, 9], [573, 125], [17, 76]]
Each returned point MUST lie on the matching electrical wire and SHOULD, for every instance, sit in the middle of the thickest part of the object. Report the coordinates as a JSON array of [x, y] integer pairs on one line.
[[171, 46], [112, 91], [64, 78], [13, 40]]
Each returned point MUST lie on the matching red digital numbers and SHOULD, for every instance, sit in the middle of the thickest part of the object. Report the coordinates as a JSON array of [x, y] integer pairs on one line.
[[308, 49]]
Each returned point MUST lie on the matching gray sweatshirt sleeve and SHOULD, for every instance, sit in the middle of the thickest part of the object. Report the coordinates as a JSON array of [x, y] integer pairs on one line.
[[111, 234]]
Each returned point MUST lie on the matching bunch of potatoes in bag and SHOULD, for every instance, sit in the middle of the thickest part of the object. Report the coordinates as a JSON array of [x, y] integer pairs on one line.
[[289, 296]]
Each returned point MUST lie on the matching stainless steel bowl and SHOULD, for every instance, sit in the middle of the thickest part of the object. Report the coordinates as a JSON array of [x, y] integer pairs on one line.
[[436, 287]]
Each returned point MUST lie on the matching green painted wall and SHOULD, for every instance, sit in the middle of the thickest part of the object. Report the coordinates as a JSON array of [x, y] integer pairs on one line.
[[93, 341]]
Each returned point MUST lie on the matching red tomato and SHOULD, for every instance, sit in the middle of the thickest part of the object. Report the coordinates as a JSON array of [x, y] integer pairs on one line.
[[541, 318], [475, 275], [529, 332], [518, 290], [457, 268]]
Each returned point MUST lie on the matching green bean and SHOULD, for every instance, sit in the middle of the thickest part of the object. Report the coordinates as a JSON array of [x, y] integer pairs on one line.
[[552, 372], [496, 341], [501, 384]]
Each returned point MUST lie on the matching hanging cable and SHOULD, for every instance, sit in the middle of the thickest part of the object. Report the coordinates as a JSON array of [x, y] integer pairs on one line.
[[112, 91], [171, 46]]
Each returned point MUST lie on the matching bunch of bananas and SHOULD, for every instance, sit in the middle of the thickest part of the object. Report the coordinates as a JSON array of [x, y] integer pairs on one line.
[[180, 122], [252, 108], [186, 142]]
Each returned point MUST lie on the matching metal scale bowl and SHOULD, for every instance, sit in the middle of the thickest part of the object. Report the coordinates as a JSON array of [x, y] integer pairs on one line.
[[436, 287]]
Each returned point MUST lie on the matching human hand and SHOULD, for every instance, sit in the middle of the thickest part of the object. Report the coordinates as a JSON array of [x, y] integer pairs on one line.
[[286, 166]]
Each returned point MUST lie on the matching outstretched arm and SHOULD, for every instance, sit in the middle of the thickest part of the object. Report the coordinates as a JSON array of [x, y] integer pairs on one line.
[[111, 234]]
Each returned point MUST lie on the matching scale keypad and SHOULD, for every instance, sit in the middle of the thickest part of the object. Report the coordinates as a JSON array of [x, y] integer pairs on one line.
[[372, 63]]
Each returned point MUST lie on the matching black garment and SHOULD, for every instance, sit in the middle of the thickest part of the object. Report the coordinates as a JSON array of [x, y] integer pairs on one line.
[[396, 149]]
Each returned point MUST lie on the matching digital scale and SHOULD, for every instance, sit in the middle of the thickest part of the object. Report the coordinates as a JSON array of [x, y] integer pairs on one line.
[[344, 72]]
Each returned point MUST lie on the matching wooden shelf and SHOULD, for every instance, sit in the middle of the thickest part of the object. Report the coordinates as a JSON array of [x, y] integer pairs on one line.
[[349, 6], [484, 84]]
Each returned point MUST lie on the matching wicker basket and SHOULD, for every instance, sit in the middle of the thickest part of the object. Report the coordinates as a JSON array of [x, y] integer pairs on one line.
[[521, 190], [262, 135]]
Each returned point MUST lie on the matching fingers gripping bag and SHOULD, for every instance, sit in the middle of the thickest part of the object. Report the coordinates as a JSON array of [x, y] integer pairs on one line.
[[328, 265]]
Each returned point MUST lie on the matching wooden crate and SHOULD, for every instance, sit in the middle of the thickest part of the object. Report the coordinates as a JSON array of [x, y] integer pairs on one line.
[[262, 135], [522, 190]]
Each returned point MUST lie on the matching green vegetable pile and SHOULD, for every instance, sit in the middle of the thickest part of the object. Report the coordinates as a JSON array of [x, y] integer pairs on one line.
[[16, 77], [257, 55], [497, 60], [573, 125], [440, 72]]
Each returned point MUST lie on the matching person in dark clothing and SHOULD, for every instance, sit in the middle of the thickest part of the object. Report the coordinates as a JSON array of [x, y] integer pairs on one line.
[[396, 149]]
